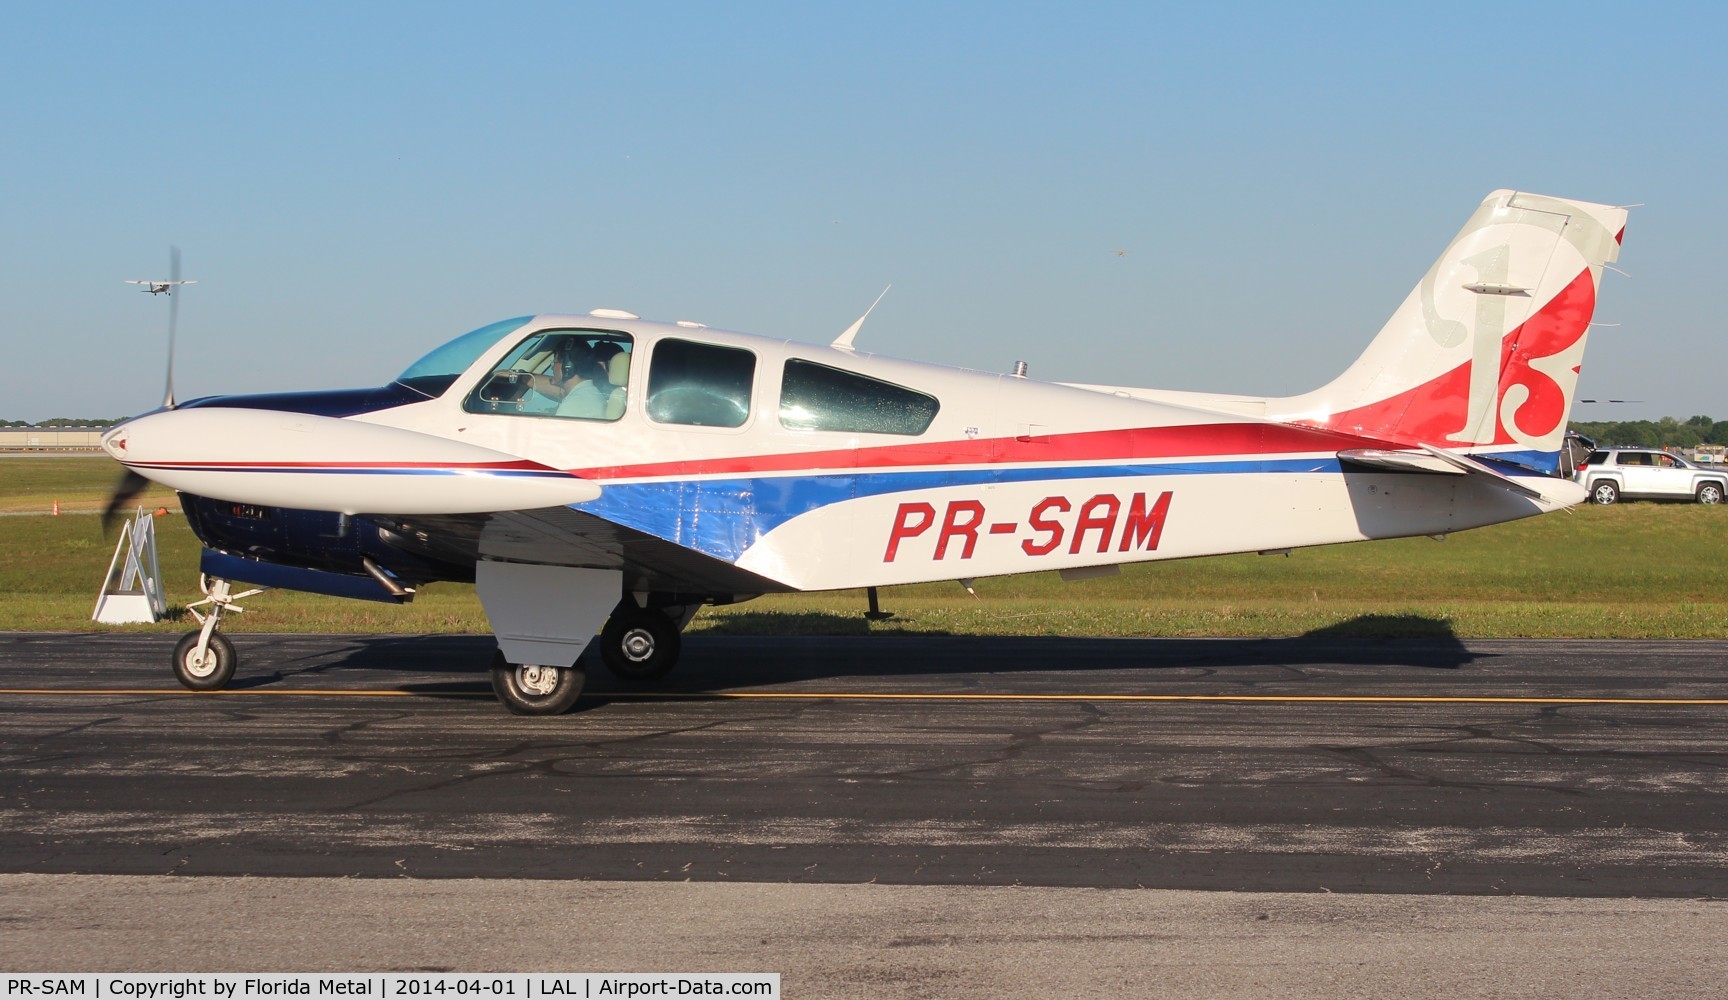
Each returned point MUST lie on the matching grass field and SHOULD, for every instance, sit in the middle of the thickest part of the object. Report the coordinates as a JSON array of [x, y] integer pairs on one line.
[[1628, 571]]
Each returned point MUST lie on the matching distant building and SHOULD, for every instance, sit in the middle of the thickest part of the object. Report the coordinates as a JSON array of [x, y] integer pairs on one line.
[[51, 438]]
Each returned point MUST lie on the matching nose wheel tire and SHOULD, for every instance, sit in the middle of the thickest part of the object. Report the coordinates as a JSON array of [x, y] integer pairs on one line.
[[534, 689], [210, 672], [639, 644], [1604, 493]]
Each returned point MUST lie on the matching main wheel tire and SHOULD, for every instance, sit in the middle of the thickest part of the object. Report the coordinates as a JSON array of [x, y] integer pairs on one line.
[[533, 689], [1604, 492], [639, 644], [1710, 493], [213, 670]]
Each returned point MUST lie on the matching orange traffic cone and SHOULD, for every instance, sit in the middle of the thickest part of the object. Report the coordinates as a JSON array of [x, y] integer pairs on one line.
[[56, 508]]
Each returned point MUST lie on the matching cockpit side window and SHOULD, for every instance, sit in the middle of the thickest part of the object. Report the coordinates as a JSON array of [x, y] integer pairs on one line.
[[700, 385], [816, 397], [575, 374]]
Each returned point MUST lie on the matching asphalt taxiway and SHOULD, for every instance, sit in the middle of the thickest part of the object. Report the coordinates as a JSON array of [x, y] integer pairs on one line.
[[1396, 774]]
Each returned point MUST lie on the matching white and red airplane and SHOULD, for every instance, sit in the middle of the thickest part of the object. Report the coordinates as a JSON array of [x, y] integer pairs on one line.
[[603, 470]]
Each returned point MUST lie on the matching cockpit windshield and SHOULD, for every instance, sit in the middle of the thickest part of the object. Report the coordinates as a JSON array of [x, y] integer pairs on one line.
[[435, 372]]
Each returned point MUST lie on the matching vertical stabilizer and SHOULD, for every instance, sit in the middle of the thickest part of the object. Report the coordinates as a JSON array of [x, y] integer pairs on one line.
[[1483, 355]]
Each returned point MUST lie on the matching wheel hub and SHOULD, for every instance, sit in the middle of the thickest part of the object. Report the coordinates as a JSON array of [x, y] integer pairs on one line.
[[537, 680], [200, 666], [638, 645]]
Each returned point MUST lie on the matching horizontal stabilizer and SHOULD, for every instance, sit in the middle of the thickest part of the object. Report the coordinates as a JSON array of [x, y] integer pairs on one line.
[[1400, 461], [1470, 465], [1438, 461]]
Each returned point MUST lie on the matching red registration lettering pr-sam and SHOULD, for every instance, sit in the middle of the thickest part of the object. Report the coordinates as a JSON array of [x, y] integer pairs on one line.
[[910, 521], [1040, 520], [952, 527], [1100, 513], [1144, 526]]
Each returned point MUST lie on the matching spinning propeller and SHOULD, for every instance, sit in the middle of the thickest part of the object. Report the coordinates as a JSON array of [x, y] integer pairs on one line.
[[131, 483]]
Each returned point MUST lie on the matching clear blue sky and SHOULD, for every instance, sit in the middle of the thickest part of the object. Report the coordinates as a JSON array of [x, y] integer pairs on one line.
[[354, 183]]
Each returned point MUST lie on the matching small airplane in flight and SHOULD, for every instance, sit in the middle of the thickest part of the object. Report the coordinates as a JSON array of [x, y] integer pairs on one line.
[[158, 286], [164, 286], [604, 473]]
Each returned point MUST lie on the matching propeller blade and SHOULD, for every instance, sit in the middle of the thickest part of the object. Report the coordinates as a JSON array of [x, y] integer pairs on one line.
[[125, 491], [173, 321]]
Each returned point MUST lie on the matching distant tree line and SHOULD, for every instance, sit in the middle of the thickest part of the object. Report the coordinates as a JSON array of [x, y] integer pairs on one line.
[[1665, 433], [64, 422]]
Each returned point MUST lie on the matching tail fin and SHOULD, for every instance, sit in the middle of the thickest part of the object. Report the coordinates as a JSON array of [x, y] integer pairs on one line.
[[1483, 356]]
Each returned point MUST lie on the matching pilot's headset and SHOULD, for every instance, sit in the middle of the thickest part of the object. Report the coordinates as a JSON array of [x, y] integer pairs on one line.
[[566, 352]]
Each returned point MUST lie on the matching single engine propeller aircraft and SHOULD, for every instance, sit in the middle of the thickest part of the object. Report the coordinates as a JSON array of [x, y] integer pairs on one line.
[[164, 286], [602, 472], [158, 286]]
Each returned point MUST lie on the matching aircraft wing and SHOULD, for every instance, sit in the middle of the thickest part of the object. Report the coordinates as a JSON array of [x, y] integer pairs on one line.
[[563, 536]]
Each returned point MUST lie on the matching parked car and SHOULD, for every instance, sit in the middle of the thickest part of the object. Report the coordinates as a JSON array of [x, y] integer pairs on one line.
[[1574, 449], [1611, 474]]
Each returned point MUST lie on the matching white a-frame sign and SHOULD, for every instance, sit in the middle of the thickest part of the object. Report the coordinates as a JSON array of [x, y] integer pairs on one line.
[[132, 591]]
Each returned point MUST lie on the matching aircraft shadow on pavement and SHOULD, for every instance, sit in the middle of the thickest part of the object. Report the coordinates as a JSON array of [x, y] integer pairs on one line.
[[714, 661]]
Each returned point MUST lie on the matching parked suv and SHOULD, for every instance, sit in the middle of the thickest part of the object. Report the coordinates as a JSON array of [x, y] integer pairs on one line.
[[1647, 474]]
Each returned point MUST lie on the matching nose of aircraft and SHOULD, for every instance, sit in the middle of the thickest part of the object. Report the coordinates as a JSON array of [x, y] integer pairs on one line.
[[130, 484], [283, 459], [144, 438]]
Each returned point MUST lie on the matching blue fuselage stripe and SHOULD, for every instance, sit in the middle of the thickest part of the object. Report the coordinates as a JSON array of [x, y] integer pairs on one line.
[[724, 517]]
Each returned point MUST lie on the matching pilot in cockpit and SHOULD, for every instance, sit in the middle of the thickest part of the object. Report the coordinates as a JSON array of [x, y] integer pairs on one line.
[[585, 389], [581, 379], [551, 387]]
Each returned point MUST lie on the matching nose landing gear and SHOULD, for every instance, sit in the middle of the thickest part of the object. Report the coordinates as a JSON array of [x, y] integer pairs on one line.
[[204, 660]]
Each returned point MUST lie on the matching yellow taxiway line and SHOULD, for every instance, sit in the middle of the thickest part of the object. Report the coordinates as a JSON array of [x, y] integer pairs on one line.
[[1279, 699]]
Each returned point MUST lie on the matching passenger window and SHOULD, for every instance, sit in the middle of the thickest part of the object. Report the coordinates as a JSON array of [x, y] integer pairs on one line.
[[575, 374], [1633, 458], [816, 397], [702, 385]]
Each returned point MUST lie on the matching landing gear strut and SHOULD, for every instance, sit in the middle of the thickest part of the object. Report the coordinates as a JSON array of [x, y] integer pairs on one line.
[[204, 660]]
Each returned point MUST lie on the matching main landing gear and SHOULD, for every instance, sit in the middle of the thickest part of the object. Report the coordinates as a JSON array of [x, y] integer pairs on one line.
[[204, 659], [535, 689], [636, 644], [642, 644]]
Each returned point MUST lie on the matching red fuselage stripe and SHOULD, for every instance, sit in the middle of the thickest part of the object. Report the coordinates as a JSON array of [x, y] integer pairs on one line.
[[1130, 444]]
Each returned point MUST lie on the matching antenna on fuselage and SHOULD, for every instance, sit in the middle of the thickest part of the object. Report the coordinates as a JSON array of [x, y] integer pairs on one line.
[[844, 341]]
